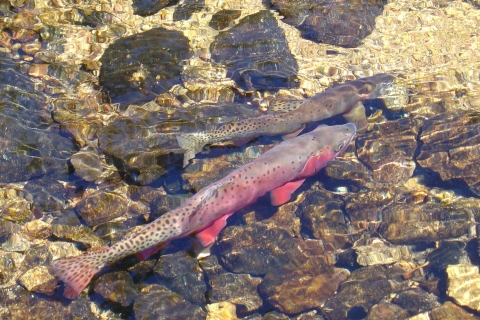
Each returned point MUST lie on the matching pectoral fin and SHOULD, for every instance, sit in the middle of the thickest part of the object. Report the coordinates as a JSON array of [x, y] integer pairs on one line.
[[283, 194], [357, 116], [208, 235], [240, 142], [293, 134]]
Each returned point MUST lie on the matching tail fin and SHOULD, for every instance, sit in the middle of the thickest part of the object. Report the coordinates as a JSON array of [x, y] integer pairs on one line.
[[191, 143], [77, 272]]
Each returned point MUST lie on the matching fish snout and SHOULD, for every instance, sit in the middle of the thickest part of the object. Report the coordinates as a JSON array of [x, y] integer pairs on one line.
[[347, 133], [382, 82]]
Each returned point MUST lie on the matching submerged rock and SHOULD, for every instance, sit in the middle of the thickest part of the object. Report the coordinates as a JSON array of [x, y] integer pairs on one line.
[[390, 142], [383, 311], [137, 68], [450, 310], [364, 288], [221, 311], [238, 289], [117, 287], [80, 234], [29, 150], [224, 18], [447, 253], [451, 147], [295, 288], [101, 207], [463, 285], [255, 249], [39, 280], [416, 301], [155, 301], [149, 7], [182, 275], [378, 252], [342, 23], [87, 164], [256, 53], [406, 223]]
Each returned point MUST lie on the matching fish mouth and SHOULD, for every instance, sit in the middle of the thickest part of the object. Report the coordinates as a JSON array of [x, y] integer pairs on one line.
[[384, 82], [350, 130]]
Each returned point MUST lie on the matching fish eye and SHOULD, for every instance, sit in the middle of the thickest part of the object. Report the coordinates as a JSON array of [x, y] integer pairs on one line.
[[339, 146]]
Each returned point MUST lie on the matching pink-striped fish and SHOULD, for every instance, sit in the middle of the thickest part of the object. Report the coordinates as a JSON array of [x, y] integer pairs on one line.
[[280, 171], [343, 99]]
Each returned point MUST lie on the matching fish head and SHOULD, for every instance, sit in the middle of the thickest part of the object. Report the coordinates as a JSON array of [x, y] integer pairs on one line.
[[372, 87], [329, 142]]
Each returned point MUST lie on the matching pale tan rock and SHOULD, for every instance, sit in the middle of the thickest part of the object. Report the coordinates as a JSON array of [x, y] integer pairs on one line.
[[221, 311], [463, 285]]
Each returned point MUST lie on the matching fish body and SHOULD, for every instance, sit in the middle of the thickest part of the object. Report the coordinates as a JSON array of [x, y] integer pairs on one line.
[[280, 171], [343, 99]]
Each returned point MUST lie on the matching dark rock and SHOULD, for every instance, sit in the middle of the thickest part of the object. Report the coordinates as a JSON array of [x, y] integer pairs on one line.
[[406, 223], [323, 214], [342, 23], [388, 138], [240, 289], [146, 8], [47, 195], [211, 266], [157, 302], [185, 10], [416, 301], [131, 66], [451, 147], [81, 309], [364, 288], [224, 19], [383, 311], [295, 288], [256, 53], [450, 310], [255, 249], [29, 151], [101, 207], [117, 287], [395, 168], [21, 304], [449, 252], [183, 275]]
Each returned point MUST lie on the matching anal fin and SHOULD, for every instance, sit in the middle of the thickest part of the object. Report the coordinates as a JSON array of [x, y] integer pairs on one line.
[[357, 116], [208, 235], [143, 255], [283, 194]]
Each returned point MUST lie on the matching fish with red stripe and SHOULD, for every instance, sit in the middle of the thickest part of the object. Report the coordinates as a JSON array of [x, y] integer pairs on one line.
[[280, 171]]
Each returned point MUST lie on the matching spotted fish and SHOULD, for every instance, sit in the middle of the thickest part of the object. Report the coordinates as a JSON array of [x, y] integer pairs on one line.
[[280, 171], [344, 99]]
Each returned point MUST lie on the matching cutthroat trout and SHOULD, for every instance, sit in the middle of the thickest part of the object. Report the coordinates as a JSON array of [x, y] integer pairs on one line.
[[343, 99], [280, 171]]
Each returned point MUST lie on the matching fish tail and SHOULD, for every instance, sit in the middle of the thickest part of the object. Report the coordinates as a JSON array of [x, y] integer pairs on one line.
[[76, 272], [191, 144]]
